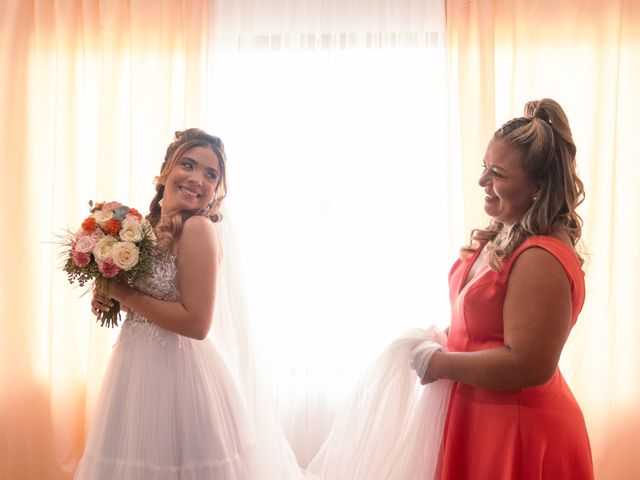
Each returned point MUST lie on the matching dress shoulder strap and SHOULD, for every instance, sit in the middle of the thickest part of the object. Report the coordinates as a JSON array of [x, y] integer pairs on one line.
[[565, 255], [563, 252]]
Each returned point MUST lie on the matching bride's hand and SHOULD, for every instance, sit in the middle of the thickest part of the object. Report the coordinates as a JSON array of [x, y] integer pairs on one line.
[[103, 301], [100, 302], [119, 291]]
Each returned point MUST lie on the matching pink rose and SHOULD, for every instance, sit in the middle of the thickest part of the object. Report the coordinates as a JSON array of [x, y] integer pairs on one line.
[[81, 259], [108, 269], [85, 244], [97, 234], [113, 205]]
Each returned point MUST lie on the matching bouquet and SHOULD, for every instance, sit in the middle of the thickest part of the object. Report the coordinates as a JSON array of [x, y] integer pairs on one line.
[[113, 244]]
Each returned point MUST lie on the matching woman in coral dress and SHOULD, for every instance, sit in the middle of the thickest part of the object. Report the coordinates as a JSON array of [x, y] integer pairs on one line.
[[515, 294]]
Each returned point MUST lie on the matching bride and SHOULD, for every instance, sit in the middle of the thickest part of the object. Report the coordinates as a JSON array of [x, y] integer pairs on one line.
[[173, 404]]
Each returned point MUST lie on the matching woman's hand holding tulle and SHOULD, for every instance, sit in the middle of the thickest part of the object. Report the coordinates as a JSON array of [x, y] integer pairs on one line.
[[421, 353]]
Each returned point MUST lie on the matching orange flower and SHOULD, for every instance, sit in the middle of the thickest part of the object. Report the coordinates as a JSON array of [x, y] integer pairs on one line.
[[135, 213], [112, 227], [89, 224]]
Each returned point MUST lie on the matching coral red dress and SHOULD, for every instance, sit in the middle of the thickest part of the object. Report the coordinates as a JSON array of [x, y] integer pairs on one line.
[[531, 433]]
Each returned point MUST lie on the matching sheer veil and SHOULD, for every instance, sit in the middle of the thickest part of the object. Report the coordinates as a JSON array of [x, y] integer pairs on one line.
[[390, 427], [232, 334]]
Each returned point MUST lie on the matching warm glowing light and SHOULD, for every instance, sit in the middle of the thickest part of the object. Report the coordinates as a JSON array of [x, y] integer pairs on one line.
[[339, 191]]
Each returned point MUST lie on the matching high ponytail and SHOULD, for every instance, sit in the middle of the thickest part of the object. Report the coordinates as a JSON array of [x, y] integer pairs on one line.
[[544, 138]]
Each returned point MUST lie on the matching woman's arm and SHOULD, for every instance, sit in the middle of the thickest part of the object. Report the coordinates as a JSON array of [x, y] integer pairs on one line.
[[197, 267], [537, 318]]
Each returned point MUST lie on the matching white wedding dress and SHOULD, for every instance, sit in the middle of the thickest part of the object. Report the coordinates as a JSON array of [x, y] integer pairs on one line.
[[169, 408]]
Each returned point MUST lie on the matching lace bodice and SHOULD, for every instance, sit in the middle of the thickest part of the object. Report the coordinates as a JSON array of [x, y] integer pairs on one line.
[[160, 284]]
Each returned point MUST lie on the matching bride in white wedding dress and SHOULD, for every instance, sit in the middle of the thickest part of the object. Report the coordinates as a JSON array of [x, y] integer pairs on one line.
[[174, 404]]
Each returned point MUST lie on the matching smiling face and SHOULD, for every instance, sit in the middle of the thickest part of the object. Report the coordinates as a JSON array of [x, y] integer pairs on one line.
[[509, 191], [191, 183]]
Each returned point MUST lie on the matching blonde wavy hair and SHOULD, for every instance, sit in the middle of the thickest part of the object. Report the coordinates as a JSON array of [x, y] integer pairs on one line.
[[548, 157], [168, 228]]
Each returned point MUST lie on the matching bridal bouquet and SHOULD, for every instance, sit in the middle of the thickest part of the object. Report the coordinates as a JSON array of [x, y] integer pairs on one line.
[[113, 244]]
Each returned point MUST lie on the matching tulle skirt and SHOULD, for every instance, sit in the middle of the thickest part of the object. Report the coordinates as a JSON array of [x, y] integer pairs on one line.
[[390, 427], [168, 410]]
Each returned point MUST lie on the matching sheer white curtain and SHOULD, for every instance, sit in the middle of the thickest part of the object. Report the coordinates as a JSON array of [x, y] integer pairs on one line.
[[333, 115]]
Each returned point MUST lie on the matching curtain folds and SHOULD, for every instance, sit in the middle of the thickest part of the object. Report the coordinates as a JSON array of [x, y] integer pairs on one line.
[[90, 95]]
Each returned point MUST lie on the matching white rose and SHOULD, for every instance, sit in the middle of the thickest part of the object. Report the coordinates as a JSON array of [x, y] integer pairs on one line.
[[102, 250], [130, 231], [125, 255], [85, 244], [103, 216]]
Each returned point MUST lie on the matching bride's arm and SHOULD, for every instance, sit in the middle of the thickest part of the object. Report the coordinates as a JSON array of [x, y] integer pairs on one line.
[[197, 265], [536, 317]]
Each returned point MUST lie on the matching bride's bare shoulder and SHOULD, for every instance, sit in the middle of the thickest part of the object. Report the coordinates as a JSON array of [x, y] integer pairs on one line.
[[198, 235]]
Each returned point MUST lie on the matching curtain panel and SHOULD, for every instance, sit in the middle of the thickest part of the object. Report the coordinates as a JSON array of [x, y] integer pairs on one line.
[[90, 95]]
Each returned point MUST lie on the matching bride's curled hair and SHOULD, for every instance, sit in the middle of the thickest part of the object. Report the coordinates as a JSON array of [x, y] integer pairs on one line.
[[548, 157], [168, 228]]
